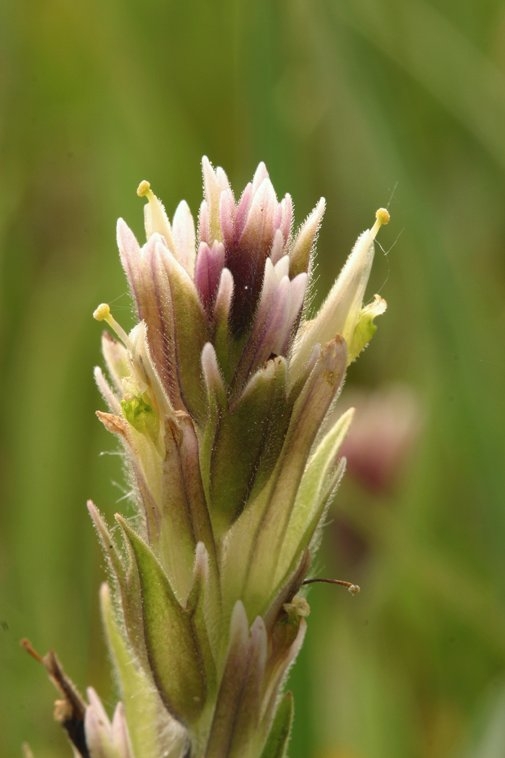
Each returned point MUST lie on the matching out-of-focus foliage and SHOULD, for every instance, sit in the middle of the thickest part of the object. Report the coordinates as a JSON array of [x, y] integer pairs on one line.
[[365, 102]]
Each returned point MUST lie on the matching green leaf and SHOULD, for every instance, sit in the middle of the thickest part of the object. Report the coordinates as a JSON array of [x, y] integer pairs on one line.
[[280, 731], [124, 584], [252, 427], [236, 728], [230, 687], [146, 715], [311, 497], [173, 651], [203, 609], [108, 545], [254, 543]]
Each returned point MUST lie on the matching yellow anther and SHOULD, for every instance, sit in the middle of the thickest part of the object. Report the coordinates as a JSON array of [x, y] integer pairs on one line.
[[144, 189], [382, 215], [102, 312], [381, 219]]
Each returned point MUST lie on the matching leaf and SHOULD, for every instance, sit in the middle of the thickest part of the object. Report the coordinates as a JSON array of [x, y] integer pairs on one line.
[[280, 731], [125, 585], [230, 686], [250, 427], [254, 543], [236, 722], [173, 651], [311, 496], [146, 716]]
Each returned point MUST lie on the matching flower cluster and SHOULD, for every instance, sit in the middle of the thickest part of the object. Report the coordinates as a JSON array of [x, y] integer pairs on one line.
[[221, 396]]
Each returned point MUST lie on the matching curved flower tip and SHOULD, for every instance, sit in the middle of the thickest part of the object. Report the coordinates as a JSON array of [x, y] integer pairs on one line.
[[341, 313], [106, 739]]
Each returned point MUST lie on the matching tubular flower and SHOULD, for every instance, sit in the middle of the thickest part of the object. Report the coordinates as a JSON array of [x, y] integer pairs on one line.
[[221, 396]]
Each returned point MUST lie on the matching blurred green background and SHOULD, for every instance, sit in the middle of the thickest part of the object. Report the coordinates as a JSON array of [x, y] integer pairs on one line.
[[364, 102]]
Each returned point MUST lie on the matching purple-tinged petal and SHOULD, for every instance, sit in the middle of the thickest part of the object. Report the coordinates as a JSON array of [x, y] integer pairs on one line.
[[212, 376], [130, 255], [204, 223], [297, 290], [227, 211], [224, 297], [120, 736], [222, 317], [153, 299], [260, 175], [278, 245], [276, 315], [208, 268], [259, 228], [104, 739], [246, 260], [183, 230], [242, 211], [268, 332], [286, 217], [214, 183], [216, 402], [297, 294], [281, 267]]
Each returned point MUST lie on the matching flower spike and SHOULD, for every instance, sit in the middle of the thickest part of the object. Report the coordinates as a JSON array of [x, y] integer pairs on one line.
[[223, 398]]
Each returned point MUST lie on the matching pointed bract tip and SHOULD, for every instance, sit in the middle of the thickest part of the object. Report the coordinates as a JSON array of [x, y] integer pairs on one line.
[[91, 507]]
